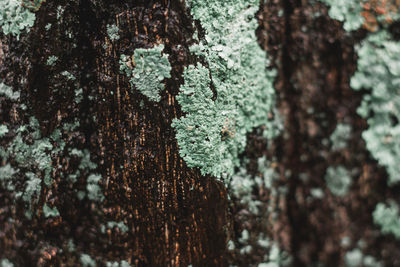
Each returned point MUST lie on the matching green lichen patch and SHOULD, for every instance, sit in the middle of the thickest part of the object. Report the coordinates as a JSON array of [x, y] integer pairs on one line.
[[3, 130], [388, 218], [338, 180], [347, 11], [379, 71], [51, 61], [147, 71], [87, 261], [50, 212], [33, 5], [93, 188], [212, 133], [112, 32], [6, 263], [340, 136], [8, 92], [118, 264], [14, 18]]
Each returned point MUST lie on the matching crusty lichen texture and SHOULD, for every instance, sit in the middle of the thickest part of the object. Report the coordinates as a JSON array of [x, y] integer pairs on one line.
[[16, 15], [378, 71], [227, 95], [147, 71]]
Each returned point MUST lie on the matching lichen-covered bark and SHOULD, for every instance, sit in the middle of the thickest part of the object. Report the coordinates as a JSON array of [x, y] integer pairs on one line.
[[316, 60], [173, 215], [113, 187]]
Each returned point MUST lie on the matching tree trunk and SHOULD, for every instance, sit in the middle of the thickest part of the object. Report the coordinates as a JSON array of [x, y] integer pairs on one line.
[[92, 171]]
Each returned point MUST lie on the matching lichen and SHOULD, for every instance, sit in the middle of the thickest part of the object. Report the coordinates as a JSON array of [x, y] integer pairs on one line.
[[112, 32], [212, 133], [118, 264], [340, 136], [147, 71], [388, 218], [347, 11], [50, 212], [338, 180], [8, 92], [87, 261], [14, 18], [6, 263], [379, 71], [51, 60], [93, 188]]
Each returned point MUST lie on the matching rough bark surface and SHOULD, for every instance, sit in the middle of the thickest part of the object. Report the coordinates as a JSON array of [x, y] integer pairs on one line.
[[174, 215]]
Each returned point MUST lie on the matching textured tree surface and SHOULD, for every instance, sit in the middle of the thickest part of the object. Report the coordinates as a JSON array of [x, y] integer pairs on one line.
[[148, 208]]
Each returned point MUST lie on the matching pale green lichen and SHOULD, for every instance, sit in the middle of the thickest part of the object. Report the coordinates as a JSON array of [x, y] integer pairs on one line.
[[118, 264], [50, 212], [340, 136], [93, 188], [51, 61], [212, 133], [7, 91], [347, 11], [68, 75], [388, 218], [111, 224], [338, 180], [6, 263], [112, 31], [14, 18], [148, 71], [87, 261], [3, 130], [379, 71]]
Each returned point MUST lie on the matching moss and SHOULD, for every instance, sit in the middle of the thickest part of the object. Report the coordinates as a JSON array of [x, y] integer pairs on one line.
[[212, 133], [379, 71], [338, 180], [147, 71]]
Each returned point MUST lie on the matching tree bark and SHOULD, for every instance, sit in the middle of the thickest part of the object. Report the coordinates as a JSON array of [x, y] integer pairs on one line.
[[152, 209]]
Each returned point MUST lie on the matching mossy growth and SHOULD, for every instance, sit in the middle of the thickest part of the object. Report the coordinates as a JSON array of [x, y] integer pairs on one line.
[[15, 18], [338, 180], [212, 133], [388, 218], [379, 71], [147, 70]]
